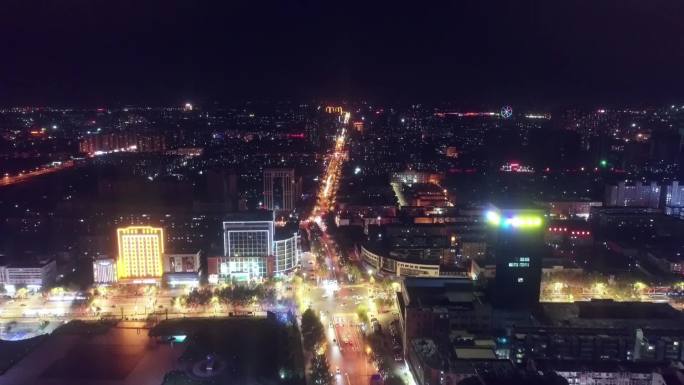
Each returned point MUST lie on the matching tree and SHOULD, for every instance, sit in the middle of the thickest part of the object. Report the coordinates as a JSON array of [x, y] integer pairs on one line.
[[320, 370], [312, 330], [362, 312], [199, 297]]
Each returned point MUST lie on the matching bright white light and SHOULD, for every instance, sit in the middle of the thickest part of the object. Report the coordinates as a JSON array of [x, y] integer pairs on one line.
[[357, 170]]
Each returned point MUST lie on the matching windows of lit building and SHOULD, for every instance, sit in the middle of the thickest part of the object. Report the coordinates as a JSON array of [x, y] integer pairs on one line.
[[140, 252]]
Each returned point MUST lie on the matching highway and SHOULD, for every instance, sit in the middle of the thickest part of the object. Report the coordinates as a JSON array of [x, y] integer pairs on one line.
[[8, 180]]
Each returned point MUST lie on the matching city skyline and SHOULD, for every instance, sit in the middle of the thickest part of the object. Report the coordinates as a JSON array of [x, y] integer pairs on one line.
[[350, 193]]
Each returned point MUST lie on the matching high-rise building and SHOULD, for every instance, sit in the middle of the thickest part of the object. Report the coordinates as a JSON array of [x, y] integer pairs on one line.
[[253, 249], [140, 252], [279, 189], [248, 234], [516, 243]]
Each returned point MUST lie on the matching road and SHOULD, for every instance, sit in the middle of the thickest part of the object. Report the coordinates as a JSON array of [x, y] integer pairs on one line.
[[8, 180], [327, 291]]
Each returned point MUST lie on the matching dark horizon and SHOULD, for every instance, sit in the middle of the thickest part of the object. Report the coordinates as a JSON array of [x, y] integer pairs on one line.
[[165, 52]]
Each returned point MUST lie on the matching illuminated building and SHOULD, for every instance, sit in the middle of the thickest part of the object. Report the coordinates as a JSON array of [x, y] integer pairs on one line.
[[279, 189], [140, 252], [34, 274], [248, 234], [104, 271], [181, 269], [253, 249], [103, 143], [239, 269], [516, 167], [674, 194], [286, 253], [516, 243], [636, 195], [181, 263]]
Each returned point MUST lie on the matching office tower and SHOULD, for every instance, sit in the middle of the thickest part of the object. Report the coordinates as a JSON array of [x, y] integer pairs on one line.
[[248, 234], [140, 252], [516, 238], [279, 189]]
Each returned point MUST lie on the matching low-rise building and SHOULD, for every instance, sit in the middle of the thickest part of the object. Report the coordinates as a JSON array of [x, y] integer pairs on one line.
[[432, 307], [606, 372], [104, 271], [33, 273]]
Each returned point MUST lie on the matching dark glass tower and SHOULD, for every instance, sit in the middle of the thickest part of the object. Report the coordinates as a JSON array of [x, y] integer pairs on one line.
[[516, 243]]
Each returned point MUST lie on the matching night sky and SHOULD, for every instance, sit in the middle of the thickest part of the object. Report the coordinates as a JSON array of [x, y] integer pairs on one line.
[[543, 52]]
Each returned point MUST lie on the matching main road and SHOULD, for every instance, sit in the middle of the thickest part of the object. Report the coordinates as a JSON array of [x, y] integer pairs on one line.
[[348, 354]]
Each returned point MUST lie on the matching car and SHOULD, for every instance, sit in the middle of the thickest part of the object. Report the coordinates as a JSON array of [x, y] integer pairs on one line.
[[337, 371], [398, 357]]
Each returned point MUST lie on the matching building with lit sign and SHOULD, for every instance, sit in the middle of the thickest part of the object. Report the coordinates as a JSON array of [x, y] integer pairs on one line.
[[239, 269], [181, 263], [140, 252], [104, 271], [516, 245], [182, 269]]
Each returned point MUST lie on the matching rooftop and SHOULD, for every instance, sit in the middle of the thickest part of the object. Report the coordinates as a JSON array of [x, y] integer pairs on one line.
[[249, 216], [440, 292]]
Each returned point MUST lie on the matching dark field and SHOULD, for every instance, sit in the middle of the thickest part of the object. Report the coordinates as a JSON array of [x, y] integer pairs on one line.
[[258, 351]]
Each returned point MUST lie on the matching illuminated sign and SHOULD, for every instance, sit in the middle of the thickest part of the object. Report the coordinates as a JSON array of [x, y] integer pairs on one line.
[[333, 109], [140, 252], [516, 221]]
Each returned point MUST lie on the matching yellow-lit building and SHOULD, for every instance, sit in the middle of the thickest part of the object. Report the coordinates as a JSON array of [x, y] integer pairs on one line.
[[140, 252]]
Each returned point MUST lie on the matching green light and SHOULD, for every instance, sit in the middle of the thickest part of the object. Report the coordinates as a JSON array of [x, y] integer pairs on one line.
[[523, 221], [604, 163], [179, 338]]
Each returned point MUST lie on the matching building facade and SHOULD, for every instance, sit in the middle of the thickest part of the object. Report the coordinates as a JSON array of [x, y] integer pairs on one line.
[[104, 271], [279, 189], [34, 274], [674, 195], [181, 263], [249, 235], [140, 252], [286, 253], [633, 195], [253, 235], [397, 266], [517, 241], [239, 269]]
